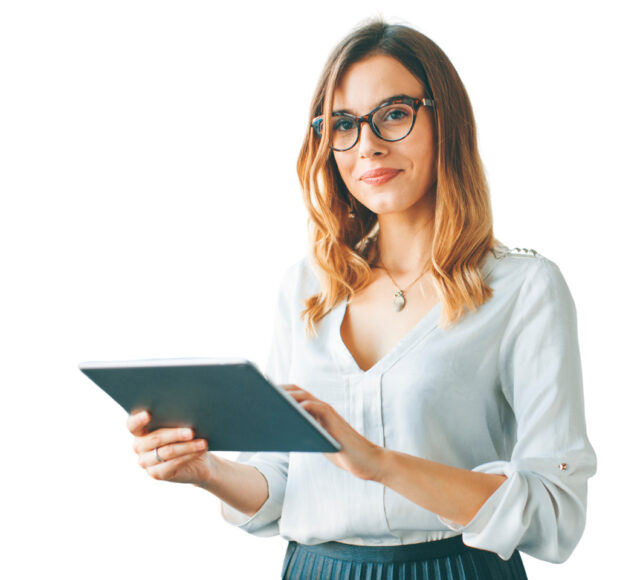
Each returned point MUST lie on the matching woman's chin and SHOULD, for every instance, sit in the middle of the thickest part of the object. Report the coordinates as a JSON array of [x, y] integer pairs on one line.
[[390, 207]]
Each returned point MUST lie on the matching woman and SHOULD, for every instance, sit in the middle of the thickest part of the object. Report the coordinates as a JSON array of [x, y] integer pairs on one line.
[[445, 364]]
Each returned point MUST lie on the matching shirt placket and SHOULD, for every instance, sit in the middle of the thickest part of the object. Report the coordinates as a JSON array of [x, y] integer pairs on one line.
[[365, 416]]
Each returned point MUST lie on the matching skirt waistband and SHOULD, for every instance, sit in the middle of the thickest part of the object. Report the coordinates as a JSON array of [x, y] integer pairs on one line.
[[400, 553]]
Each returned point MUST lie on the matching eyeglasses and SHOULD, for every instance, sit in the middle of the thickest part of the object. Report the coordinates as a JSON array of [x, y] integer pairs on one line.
[[390, 121]]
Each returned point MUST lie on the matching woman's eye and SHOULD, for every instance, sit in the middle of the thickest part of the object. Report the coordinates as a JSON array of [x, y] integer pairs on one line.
[[343, 124], [395, 115]]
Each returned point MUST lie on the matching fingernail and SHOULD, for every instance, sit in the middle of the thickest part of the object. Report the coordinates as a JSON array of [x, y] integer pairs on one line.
[[186, 433]]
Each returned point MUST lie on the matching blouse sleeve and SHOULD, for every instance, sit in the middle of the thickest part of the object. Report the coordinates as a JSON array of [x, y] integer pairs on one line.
[[272, 465], [540, 508]]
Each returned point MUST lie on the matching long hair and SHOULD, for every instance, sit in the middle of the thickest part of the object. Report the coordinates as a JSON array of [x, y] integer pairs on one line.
[[341, 244]]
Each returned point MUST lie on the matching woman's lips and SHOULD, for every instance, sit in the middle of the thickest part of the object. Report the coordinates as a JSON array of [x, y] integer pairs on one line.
[[379, 176]]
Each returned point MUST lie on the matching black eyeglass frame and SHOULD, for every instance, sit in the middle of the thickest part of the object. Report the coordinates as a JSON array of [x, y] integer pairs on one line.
[[415, 104]]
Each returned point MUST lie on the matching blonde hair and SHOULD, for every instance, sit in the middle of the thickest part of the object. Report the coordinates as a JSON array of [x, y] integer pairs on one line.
[[341, 245]]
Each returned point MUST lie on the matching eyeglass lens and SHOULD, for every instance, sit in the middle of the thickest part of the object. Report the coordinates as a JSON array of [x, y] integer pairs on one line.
[[391, 123]]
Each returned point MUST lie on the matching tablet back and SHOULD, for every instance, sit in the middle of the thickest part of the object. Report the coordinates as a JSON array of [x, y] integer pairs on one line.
[[228, 402]]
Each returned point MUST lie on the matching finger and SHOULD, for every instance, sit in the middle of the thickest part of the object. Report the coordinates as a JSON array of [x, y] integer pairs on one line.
[[160, 437], [300, 395], [316, 406], [291, 388], [169, 469], [171, 452], [136, 422], [318, 409]]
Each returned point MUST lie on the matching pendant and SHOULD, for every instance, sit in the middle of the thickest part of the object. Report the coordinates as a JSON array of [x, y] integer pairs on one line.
[[398, 301]]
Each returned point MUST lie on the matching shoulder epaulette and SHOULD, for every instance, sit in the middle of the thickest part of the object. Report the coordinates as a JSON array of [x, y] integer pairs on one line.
[[522, 252]]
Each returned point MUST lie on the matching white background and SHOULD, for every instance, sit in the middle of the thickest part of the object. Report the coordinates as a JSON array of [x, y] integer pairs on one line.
[[150, 205]]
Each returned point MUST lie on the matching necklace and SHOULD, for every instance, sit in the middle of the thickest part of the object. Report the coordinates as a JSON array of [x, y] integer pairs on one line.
[[399, 299]]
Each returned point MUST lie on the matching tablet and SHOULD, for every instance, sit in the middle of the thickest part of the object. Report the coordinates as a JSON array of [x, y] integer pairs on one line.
[[226, 401]]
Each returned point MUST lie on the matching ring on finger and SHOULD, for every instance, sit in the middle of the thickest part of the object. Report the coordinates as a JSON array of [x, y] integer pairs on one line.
[[160, 460]]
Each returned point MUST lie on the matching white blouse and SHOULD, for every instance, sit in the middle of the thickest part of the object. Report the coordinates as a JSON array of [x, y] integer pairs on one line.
[[498, 392]]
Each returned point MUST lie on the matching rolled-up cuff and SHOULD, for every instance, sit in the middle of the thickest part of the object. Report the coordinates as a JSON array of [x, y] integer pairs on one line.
[[483, 515], [539, 509], [474, 532]]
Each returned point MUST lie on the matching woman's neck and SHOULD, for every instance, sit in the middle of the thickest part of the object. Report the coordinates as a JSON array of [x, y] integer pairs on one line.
[[404, 241]]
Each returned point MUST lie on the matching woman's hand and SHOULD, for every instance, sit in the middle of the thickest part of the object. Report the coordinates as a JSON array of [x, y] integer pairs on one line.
[[184, 459], [358, 455]]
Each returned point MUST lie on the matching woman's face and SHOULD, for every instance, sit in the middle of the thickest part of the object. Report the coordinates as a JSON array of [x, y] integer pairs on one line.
[[365, 85]]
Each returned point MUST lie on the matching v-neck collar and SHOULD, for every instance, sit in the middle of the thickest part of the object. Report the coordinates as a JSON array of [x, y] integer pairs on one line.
[[424, 326]]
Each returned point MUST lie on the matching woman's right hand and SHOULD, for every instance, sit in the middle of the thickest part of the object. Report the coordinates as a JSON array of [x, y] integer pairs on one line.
[[184, 459]]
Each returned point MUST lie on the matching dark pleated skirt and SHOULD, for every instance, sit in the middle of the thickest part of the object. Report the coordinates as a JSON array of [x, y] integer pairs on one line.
[[448, 559]]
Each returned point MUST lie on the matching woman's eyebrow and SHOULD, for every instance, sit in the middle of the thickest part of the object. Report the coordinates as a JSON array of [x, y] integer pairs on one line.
[[349, 112]]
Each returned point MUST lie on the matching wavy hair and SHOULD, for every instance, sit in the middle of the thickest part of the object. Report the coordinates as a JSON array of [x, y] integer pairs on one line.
[[342, 231]]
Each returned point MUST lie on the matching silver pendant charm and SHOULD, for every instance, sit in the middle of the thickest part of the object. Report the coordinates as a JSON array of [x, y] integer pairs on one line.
[[398, 301]]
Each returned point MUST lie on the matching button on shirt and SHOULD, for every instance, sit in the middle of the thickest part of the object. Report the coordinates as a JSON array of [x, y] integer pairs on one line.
[[499, 391]]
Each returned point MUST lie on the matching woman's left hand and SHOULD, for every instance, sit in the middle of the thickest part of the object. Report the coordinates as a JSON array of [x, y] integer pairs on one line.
[[358, 455]]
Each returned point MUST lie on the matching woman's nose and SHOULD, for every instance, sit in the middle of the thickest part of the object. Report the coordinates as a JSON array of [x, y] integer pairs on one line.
[[370, 144]]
